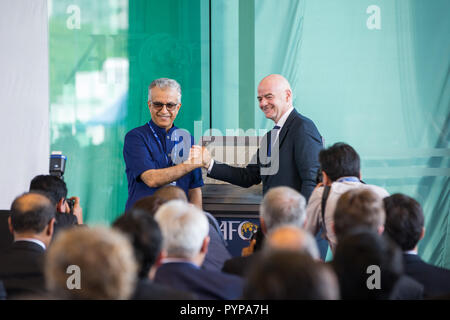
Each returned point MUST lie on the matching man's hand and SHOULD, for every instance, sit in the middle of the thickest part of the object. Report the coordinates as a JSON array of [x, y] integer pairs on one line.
[[206, 158], [250, 249], [195, 157], [77, 210]]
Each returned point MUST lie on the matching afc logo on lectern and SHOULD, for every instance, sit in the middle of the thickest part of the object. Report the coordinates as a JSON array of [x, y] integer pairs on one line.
[[244, 229]]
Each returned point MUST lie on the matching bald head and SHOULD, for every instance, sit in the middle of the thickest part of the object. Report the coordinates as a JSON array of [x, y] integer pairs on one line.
[[169, 193], [274, 96], [275, 81], [292, 238], [31, 212]]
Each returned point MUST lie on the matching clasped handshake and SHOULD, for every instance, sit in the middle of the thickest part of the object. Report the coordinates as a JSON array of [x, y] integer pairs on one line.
[[198, 157]]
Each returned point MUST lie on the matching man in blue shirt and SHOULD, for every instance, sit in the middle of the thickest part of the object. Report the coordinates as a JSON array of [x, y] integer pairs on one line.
[[158, 153]]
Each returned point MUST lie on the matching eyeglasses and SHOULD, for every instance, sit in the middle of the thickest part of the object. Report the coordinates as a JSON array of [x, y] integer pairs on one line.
[[170, 106]]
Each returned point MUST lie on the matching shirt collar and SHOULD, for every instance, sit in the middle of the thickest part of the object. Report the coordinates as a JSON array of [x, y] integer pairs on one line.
[[39, 242], [160, 130], [178, 260], [284, 117], [348, 179]]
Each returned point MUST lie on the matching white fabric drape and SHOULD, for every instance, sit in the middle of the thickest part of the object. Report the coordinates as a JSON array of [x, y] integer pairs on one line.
[[24, 95]]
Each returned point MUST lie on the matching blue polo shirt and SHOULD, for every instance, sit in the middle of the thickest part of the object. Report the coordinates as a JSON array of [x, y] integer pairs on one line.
[[146, 149]]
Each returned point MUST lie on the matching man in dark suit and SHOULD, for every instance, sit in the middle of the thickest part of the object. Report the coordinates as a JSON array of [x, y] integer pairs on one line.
[[21, 266], [185, 233], [405, 225], [288, 155], [146, 238]]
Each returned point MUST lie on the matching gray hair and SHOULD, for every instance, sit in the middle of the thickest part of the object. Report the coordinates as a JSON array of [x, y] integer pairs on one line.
[[289, 237], [184, 227], [283, 205], [163, 84]]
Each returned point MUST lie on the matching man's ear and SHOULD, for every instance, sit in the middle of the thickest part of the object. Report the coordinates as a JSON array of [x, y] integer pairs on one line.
[[263, 225], [360, 175], [10, 225], [288, 95], [205, 245], [422, 234], [50, 227], [61, 206], [380, 230], [162, 255], [159, 258], [326, 179]]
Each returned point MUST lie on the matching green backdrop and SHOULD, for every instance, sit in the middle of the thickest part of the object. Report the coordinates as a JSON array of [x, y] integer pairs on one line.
[[384, 90]]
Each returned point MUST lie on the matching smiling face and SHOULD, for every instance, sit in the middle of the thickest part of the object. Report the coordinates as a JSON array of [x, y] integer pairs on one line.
[[162, 117], [274, 96]]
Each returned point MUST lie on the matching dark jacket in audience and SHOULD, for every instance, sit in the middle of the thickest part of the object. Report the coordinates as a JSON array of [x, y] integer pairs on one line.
[[149, 290], [240, 265], [206, 284], [217, 251], [436, 281], [406, 288], [21, 269]]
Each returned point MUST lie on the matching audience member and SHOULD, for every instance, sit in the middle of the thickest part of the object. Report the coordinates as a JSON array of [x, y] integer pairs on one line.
[[31, 223], [367, 265], [340, 166], [289, 237], [405, 225], [290, 275], [358, 208], [146, 238], [185, 238], [280, 206], [104, 259], [217, 253], [56, 190]]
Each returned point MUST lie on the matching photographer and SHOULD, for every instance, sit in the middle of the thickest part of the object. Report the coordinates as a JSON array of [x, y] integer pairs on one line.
[[55, 188]]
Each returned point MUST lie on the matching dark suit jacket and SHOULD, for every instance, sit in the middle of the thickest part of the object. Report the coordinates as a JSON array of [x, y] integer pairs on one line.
[[148, 290], [6, 238], [406, 288], [21, 269], [436, 281], [240, 266], [217, 250], [205, 284], [299, 146]]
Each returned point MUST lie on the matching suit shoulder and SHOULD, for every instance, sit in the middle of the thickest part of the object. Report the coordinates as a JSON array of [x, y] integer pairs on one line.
[[305, 124]]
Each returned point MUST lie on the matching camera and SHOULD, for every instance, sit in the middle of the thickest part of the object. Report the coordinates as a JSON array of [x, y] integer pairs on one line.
[[71, 203], [57, 168]]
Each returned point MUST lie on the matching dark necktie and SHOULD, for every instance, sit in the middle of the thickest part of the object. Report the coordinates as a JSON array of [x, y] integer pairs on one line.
[[271, 139]]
